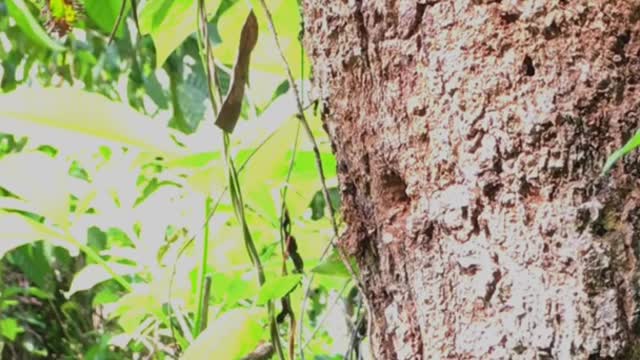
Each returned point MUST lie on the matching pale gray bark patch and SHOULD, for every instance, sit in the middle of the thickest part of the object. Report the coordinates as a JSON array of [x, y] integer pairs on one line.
[[470, 137]]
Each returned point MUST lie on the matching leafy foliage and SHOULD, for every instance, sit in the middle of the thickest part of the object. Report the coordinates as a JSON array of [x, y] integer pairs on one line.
[[118, 195]]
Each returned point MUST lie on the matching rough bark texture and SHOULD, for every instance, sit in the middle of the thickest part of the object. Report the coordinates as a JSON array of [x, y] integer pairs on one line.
[[470, 136]]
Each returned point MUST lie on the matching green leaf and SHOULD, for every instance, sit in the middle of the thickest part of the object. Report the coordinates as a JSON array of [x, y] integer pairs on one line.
[[17, 230], [105, 13], [275, 289], [94, 274], [9, 328], [631, 145], [318, 205], [231, 336], [191, 95], [155, 92], [333, 266], [194, 161], [169, 22], [26, 291], [132, 308], [70, 117], [31, 260], [105, 296], [19, 10], [32, 176]]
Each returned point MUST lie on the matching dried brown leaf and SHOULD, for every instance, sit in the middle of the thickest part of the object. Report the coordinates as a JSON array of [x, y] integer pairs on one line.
[[230, 111]]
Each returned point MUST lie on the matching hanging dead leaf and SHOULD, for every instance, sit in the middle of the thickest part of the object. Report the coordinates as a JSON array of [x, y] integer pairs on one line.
[[230, 111]]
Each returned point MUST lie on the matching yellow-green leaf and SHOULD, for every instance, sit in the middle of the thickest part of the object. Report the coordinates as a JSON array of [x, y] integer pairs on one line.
[[94, 274], [17, 230], [277, 288], [230, 337], [631, 145], [40, 180], [169, 22], [19, 10], [68, 117]]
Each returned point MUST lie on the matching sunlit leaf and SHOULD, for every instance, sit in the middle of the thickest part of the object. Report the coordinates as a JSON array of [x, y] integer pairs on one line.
[[93, 274], [19, 10], [32, 176], [631, 145], [333, 266], [134, 307], [169, 22], [105, 12], [9, 328], [194, 161], [29, 291], [16, 230], [231, 336], [277, 288], [68, 117], [11, 203]]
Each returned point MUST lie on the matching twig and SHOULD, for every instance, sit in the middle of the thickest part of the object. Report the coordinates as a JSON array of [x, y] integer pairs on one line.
[[307, 294], [354, 333], [205, 302], [264, 351], [284, 234]]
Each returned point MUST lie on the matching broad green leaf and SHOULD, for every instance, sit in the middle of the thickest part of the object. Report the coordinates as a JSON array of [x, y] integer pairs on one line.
[[19, 10], [133, 308], [10, 203], [105, 296], [94, 274], [40, 180], [631, 145], [9, 328], [230, 337], [105, 13], [33, 263], [28, 291], [169, 22], [68, 117], [232, 287], [277, 288], [208, 180], [333, 266], [155, 91], [191, 94], [198, 160], [17, 230]]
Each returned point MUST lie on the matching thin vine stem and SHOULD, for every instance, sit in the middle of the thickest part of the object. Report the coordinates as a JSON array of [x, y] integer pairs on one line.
[[318, 161], [234, 183]]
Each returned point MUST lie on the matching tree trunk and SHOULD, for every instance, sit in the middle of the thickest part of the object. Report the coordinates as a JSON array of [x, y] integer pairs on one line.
[[470, 138]]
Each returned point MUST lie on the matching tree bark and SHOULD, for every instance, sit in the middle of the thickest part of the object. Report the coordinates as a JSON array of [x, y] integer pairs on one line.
[[470, 137]]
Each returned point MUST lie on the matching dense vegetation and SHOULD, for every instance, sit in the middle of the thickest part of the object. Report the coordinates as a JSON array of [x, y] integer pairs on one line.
[[131, 226]]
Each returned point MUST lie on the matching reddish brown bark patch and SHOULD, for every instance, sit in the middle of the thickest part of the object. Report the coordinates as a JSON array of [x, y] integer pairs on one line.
[[470, 137]]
